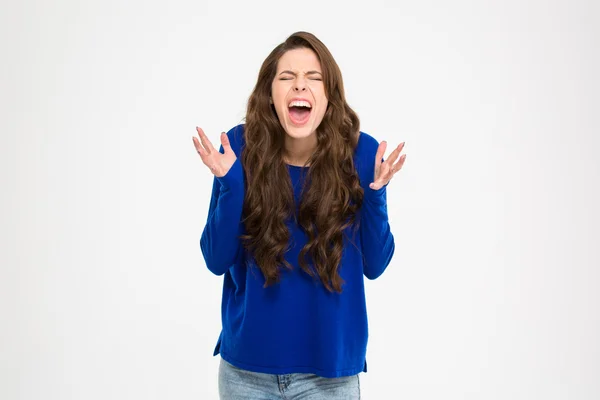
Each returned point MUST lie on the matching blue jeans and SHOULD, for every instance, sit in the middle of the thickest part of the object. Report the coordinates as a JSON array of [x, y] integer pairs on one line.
[[237, 384]]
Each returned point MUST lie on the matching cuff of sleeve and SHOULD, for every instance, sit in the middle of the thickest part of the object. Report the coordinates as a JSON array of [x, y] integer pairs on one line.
[[234, 177], [378, 195]]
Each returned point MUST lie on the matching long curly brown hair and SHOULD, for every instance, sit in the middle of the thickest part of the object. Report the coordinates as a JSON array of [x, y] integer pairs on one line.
[[334, 195]]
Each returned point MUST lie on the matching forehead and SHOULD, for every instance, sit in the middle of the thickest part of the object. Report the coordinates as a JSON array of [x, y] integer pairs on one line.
[[299, 59]]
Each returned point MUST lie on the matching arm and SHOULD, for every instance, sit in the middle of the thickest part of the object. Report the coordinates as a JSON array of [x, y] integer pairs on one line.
[[377, 241], [376, 237], [220, 243]]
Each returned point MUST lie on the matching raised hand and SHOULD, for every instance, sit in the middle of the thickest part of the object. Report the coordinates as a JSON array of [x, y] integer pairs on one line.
[[219, 163], [384, 171]]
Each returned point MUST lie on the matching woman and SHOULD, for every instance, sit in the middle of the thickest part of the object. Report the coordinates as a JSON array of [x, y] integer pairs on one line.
[[297, 217]]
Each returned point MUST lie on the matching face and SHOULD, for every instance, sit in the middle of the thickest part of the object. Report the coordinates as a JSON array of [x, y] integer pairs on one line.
[[299, 81]]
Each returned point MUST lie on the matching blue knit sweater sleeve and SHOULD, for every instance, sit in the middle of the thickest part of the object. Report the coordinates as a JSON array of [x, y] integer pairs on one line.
[[220, 241], [376, 237]]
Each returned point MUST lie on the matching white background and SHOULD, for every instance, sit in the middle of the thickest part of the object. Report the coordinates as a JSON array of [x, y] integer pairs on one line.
[[493, 290]]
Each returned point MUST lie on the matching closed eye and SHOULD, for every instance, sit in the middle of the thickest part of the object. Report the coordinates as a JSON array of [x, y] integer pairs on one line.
[[288, 79]]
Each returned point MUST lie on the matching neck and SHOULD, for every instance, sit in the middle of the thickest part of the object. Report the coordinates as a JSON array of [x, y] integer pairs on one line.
[[298, 151]]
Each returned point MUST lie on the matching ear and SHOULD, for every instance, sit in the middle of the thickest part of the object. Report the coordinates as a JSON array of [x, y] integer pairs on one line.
[[270, 100]]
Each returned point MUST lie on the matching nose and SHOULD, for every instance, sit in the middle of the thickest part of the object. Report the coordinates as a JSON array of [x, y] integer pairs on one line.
[[300, 85]]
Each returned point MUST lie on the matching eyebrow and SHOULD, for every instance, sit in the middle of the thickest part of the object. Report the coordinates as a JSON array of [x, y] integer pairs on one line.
[[293, 73]]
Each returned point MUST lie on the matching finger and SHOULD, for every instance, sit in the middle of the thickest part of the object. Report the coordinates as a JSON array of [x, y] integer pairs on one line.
[[225, 142], [197, 144], [205, 141], [201, 136], [377, 185], [199, 147], [398, 166], [394, 154], [380, 152], [380, 181], [379, 156]]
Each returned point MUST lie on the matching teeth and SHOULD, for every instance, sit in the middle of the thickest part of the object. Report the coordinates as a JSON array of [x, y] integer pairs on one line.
[[300, 104]]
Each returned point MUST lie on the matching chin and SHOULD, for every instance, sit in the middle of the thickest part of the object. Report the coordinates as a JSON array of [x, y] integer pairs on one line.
[[299, 132]]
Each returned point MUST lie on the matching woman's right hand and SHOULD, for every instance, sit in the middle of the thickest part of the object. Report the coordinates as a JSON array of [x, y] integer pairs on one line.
[[219, 163]]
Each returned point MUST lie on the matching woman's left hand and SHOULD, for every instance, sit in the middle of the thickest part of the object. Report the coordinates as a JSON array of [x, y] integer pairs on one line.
[[384, 171]]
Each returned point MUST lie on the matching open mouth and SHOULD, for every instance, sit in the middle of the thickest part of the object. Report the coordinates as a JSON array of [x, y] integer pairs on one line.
[[299, 112]]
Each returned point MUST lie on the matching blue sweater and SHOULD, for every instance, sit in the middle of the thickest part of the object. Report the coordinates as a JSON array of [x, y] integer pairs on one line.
[[296, 325]]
